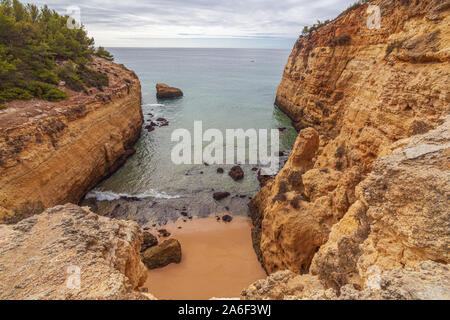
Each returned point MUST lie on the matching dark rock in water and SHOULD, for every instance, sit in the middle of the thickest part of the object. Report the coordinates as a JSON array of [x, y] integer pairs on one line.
[[150, 114], [227, 218], [162, 255], [220, 195], [236, 173], [263, 179], [255, 169], [162, 122], [201, 172], [131, 199], [164, 233], [149, 241], [166, 92], [150, 128], [206, 164], [227, 208], [220, 170], [184, 214], [243, 196]]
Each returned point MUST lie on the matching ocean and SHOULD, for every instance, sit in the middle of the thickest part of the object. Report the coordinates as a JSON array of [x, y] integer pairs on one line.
[[223, 88]]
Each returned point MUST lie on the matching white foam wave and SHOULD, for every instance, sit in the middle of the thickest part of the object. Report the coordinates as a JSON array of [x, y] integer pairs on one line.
[[111, 196], [154, 105]]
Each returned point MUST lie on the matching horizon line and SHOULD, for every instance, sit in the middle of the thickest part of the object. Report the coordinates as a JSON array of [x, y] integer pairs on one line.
[[132, 47]]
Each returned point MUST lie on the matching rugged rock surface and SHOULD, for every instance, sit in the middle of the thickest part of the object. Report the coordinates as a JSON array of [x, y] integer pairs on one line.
[[428, 281], [162, 255], [280, 212], [286, 285], [53, 153], [163, 91], [359, 97], [391, 244], [40, 257], [402, 216]]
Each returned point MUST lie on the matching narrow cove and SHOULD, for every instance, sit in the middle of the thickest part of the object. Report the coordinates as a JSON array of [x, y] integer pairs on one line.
[[225, 89]]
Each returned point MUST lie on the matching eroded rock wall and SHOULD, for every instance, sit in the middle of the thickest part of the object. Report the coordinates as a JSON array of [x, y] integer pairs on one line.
[[68, 252], [360, 91], [54, 153], [391, 244]]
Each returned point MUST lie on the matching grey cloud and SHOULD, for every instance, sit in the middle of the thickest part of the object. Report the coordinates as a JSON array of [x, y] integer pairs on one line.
[[251, 18]]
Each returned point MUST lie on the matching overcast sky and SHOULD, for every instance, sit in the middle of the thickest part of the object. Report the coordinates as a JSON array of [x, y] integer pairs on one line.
[[198, 23]]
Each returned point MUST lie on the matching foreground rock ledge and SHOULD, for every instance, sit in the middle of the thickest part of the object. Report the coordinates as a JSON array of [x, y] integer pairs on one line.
[[40, 257], [428, 281]]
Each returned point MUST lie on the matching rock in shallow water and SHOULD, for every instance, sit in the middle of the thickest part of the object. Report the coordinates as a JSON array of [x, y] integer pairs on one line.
[[236, 173], [162, 255], [220, 195], [166, 92]]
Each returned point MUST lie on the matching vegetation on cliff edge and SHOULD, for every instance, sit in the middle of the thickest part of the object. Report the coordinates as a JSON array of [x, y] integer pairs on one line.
[[38, 51], [309, 30]]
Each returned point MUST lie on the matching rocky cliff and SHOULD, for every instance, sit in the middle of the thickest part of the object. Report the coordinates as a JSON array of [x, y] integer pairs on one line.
[[354, 93], [68, 252], [53, 153]]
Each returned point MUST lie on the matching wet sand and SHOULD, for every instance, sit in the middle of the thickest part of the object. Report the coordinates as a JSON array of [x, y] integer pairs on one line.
[[217, 261]]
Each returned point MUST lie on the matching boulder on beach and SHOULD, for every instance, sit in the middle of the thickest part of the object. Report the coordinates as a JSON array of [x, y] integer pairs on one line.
[[162, 255], [166, 92], [227, 218], [236, 173], [220, 195], [148, 241]]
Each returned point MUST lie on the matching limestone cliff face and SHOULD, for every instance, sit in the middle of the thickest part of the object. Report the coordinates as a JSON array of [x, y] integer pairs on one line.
[[68, 252], [392, 243], [427, 281], [358, 91], [55, 152]]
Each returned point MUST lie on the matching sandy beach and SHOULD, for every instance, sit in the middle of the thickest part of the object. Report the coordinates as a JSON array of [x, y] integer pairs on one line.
[[218, 261]]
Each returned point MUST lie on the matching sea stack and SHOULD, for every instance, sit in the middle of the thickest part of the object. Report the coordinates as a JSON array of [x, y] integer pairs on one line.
[[166, 92]]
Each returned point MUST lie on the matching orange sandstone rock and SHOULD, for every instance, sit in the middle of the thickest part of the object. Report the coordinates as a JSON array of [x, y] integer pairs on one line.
[[53, 153], [166, 92], [359, 96]]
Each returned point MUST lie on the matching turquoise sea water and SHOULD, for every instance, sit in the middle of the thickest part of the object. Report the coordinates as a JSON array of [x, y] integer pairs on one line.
[[223, 88]]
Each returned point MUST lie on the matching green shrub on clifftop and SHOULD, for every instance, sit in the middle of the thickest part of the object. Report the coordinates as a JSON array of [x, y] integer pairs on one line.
[[33, 44]]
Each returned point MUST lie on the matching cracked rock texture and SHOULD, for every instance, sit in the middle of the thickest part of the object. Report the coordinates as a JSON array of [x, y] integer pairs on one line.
[[428, 281], [402, 216], [364, 196], [40, 257], [393, 241], [351, 100]]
